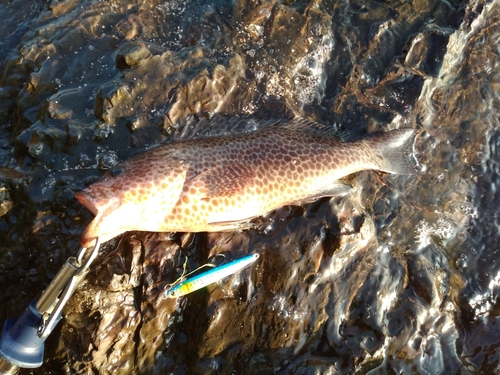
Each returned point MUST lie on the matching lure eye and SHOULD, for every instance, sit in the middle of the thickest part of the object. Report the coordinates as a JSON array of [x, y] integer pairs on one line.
[[116, 172], [170, 294]]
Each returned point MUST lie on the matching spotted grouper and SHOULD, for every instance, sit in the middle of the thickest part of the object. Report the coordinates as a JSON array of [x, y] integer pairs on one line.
[[220, 183]]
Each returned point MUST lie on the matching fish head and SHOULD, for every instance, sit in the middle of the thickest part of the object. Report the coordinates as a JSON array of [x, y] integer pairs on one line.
[[106, 200], [133, 196]]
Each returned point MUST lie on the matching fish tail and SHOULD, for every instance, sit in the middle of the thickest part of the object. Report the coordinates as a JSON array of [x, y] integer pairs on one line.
[[395, 151]]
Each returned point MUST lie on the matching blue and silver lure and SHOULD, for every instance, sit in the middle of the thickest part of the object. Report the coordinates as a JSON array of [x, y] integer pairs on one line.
[[209, 277]]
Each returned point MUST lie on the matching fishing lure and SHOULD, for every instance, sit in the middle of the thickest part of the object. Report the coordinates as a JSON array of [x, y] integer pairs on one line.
[[209, 277]]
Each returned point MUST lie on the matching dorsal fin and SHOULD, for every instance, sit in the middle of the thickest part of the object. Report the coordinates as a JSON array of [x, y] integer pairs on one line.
[[220, 125], [301, 124]]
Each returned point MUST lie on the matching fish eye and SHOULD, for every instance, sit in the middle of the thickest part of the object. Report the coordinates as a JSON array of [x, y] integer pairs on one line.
[[116, 172]]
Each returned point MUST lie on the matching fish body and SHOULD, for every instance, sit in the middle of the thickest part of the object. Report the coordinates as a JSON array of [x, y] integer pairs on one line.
[[219, 183], [209, 277]]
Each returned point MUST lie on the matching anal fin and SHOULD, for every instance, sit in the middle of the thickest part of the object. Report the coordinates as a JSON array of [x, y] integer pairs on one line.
[[225, 226], [338, 189]]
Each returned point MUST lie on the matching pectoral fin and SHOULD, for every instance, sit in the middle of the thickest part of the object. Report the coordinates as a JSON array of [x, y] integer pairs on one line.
[[224, 181]]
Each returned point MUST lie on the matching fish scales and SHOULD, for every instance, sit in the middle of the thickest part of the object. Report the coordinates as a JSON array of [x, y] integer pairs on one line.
[[219, 183]]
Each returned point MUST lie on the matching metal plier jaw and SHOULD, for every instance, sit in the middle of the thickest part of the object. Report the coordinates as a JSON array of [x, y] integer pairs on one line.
[[62, 287]]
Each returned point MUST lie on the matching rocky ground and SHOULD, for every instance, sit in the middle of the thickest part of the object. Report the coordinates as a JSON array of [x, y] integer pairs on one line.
[[400, 276]]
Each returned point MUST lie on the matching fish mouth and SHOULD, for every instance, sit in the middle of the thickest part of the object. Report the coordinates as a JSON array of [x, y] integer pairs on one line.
[[87, 201], [87, 242], [94, 197], [101, 204]]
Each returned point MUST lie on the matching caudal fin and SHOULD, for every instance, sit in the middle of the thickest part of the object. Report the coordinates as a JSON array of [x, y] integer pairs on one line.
[[395, 151]]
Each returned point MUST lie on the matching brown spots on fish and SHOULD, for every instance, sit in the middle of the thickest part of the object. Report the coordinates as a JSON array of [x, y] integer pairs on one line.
[[195, 185]]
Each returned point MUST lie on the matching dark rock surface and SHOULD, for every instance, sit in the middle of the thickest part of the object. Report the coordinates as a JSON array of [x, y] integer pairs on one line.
[[400, 276]]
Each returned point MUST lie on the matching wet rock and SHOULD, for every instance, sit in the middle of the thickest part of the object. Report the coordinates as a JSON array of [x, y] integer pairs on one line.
[[397, 93], [131, 54], [426, 52], [17, 216], [399, 276]]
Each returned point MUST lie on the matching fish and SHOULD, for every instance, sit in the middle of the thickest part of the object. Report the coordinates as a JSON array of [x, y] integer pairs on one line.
[[220, 183], [209, 277]]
